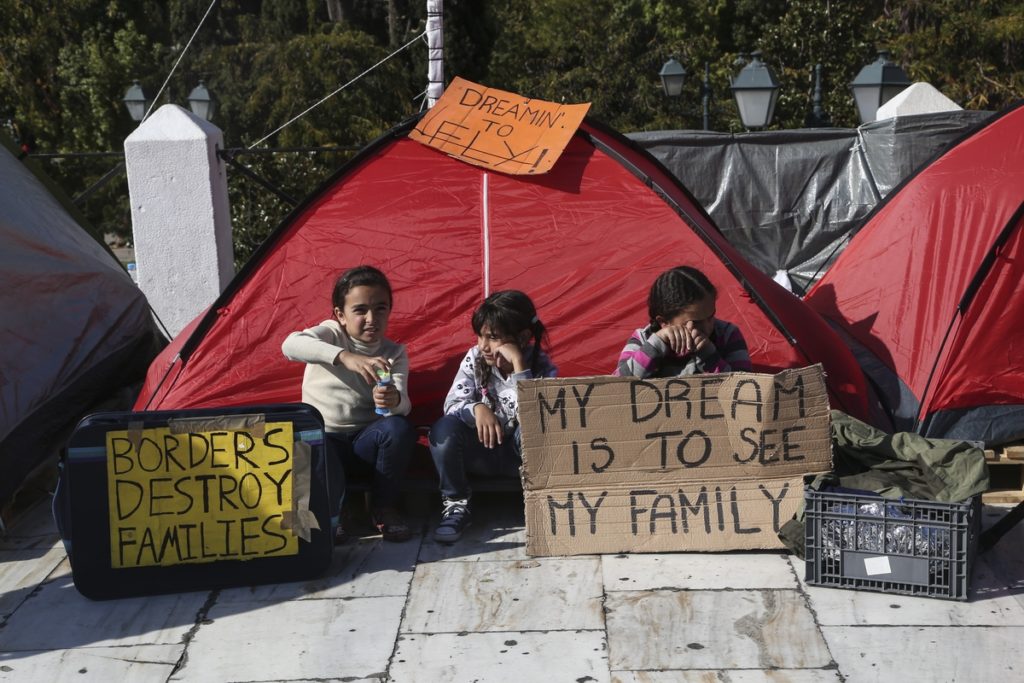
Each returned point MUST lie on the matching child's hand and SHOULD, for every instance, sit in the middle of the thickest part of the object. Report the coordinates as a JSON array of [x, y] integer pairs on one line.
[[510, 358], [385, 396], [677, 338], [363, 365], [701, 342], [488, 428]]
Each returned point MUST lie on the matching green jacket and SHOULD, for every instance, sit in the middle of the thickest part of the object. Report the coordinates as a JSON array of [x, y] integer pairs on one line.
[[901, 465]]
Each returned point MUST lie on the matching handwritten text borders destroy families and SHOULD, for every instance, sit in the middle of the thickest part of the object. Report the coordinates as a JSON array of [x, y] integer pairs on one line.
[[199, 496]]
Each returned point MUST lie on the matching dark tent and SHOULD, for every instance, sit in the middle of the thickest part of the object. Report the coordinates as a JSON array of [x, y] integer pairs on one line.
[[930, 291], [585, 241], [75, 328], [790, 200]]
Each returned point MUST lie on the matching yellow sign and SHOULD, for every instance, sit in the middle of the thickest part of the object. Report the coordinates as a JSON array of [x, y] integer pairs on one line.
[[199, 496], [499, 130]]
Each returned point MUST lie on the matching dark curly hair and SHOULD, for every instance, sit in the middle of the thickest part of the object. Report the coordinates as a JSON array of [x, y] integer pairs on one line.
[[676, 289]]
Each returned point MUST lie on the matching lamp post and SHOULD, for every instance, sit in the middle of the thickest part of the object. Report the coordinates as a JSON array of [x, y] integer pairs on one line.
[[135, 101], [672, 76], [876, 84], [756, 91], [817, 118], [201, 102]]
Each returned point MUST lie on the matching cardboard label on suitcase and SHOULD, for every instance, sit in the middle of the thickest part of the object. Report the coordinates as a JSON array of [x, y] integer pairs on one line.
[[195, 499]]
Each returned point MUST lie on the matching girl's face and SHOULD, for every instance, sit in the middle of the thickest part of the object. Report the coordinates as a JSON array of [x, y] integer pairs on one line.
[[489, 340], [366, 312], [701, 313]]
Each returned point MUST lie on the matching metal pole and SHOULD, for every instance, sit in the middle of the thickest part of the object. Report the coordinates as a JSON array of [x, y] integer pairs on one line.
[[817, 118], [819, 113], [706, 92]]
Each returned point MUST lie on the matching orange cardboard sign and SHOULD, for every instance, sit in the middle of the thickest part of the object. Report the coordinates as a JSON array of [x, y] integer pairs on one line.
[[499, 130]]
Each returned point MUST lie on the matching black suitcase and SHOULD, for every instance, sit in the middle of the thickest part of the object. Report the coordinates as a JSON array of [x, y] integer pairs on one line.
[[181, 500]]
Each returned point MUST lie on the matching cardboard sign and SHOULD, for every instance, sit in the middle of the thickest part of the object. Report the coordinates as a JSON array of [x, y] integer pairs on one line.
[[700, 462], [199, 495], [499, 130]]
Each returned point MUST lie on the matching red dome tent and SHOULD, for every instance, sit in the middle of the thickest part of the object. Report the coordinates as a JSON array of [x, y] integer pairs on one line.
[[585, 241], [929, 291]]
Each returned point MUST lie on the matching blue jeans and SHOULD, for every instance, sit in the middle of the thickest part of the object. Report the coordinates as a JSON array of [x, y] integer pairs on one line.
[[456, 450], [380, 452]]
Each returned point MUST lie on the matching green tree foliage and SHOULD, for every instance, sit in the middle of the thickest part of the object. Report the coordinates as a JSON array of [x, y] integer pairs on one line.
[[839, 36], [598, 52], [255, 211], [64, 68], [971, 50]]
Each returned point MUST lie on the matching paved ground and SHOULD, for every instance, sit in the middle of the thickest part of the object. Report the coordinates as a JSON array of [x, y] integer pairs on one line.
[[484, 611]]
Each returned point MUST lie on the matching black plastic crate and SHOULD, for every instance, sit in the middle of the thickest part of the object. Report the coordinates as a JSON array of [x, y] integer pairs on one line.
[[905, 546]]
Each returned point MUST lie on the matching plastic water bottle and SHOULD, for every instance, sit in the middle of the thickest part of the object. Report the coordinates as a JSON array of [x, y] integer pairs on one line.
[[383, 380], [133, 272]]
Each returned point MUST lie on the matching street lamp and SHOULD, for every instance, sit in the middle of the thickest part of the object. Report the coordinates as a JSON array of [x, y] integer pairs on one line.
[[672, 75], [756, 91], [135, 100], [201, 102], [876, 84], [817, 118]]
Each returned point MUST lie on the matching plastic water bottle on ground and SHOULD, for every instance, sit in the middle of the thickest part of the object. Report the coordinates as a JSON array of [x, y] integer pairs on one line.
[[133, 272], [383, 380]]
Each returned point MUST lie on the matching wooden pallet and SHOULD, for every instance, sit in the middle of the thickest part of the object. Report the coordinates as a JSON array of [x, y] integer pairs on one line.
[[1006, 474]]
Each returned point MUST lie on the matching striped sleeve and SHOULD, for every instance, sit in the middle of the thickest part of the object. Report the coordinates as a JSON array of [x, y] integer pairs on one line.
[[640, 357], [730, 353]]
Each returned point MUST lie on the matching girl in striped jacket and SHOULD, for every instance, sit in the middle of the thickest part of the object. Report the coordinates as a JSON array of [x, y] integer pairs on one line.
[[683, 337]]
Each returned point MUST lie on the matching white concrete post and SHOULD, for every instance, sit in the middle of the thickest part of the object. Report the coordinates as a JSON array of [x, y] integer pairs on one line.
[[435, 51], [181, 219], [919, 98]]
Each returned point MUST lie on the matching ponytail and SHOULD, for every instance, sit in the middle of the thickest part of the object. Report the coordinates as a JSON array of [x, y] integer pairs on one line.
[[509, 313], [539, 331]]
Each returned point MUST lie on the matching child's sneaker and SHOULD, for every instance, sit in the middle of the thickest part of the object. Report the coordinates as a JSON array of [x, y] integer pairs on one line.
[[454, 519], [391, 525]]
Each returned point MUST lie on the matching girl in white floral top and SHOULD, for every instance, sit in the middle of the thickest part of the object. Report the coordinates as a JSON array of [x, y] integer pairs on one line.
[[479, 432]]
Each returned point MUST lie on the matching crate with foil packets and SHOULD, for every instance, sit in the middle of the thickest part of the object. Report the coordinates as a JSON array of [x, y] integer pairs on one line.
[[905, 546]]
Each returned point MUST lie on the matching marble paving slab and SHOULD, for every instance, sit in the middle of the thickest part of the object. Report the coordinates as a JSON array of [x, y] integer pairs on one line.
[[697, 571], [34, 528], [302, 639], [136, 664], [21, 571], [480, 543], [500, 657], [739, 629], [496, 533], [996, 597], [528, 595], [360, 568], [729, 676], [59, 617], [914, 653]]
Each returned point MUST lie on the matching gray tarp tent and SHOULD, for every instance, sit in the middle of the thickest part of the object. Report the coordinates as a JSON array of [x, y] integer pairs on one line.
[[790, 200], [75, 328]]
